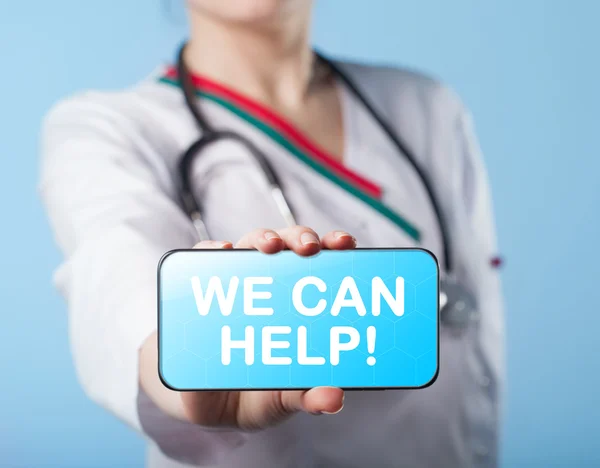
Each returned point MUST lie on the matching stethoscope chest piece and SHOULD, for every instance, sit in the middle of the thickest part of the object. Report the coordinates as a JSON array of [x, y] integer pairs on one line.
[[458, 306]]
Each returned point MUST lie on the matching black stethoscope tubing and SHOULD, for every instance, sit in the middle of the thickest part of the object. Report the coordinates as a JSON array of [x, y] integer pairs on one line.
[[209, 136]]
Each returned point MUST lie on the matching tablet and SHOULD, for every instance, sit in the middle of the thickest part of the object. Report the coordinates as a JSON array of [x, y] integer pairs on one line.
[[244, 320]]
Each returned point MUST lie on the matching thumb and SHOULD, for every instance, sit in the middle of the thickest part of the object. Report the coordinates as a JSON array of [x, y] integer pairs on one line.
[[318, 400]]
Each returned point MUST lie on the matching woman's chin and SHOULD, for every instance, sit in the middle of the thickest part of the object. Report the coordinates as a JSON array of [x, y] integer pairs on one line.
[[249, 11]]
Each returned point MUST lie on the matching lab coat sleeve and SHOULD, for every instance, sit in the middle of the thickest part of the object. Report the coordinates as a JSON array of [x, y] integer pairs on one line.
[[113, 220], [481, 245]]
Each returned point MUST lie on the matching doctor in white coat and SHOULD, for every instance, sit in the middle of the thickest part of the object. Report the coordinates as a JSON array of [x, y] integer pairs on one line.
[[110, 180]]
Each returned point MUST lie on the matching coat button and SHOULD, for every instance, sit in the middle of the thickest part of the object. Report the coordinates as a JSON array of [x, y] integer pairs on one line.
[[496, 262]]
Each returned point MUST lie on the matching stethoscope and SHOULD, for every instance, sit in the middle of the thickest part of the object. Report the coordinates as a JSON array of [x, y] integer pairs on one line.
[[457, 305]]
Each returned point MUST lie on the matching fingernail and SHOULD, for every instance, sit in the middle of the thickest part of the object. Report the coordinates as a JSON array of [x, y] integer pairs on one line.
[[269, 235], [222, 243], [340, 234], [308, 238], [336, 412], [341, 407]]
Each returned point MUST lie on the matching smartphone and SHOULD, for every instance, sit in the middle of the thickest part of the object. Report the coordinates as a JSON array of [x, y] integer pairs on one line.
[[244, 320]]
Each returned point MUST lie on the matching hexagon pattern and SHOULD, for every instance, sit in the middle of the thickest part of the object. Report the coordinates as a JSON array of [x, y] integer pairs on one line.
[[406, 347]]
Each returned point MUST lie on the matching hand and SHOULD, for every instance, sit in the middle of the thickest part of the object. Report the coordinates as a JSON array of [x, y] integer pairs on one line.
[[251, 410]]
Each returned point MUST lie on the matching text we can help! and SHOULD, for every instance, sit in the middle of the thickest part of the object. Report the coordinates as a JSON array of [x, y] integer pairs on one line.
[[256, 296]]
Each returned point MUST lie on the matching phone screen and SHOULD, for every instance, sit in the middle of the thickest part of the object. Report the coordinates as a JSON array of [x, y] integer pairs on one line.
[[244, 320]]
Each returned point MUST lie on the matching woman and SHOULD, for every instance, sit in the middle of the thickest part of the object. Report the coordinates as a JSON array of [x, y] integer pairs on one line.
[[111, 186]]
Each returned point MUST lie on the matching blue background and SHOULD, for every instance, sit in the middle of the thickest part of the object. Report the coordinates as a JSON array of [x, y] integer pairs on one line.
[[406, 347], [529, 70]]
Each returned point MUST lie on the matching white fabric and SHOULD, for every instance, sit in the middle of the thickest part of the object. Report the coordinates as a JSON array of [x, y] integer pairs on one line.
[[109, 179]]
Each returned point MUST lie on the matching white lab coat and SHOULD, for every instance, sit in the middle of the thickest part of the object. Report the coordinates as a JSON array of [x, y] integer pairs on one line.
[[109, 182]]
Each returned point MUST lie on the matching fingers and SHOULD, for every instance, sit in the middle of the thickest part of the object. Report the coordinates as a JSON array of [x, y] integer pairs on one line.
[[305, 241], [319, 400], [302, 240], [265, 240], [211, 244], [338, 240]]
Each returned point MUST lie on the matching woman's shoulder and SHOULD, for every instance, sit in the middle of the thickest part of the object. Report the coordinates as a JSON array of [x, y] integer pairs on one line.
[[143, 98], [124, 113], [425, 111], [392, 84]]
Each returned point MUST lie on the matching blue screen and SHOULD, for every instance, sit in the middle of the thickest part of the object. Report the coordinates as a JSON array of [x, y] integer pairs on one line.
[[241, 319]]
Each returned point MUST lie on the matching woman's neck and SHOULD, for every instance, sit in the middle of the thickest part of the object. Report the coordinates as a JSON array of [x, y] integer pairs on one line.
[[271, 63]]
